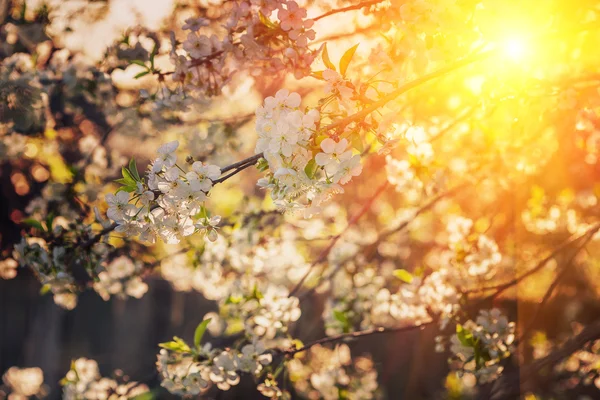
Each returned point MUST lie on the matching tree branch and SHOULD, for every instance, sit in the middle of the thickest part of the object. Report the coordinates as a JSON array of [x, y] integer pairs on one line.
[[351, 222], [355, 335]]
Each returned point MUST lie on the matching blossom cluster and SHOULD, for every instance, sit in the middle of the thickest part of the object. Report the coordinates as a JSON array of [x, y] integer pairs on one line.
[[50, 267], [120, 277], [219, 268], [304, 170], [479, 346], [325, 373], [264, 37], [190, 371], [23, 383], [83, 381], [169, 203]]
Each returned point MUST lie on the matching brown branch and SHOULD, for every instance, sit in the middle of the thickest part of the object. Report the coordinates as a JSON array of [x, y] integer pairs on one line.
[[356, 335], [511, 384], [357, 6], [351, 222], [406, 87], [538, 267], [552, 287]]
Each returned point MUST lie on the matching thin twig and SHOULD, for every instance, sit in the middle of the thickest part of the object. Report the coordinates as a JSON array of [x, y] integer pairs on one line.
[[357, 6], [355, 335], [351, 222]]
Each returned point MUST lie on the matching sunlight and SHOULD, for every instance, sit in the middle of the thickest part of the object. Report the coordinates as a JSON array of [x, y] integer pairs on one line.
[[515, 48]]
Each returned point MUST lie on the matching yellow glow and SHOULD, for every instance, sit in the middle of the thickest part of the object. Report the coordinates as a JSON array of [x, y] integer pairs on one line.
[[515, 48]]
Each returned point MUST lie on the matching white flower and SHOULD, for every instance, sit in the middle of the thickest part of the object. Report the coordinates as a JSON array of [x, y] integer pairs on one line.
[[166, 157], [119, 207], [120, 267], [336, 83], [194, 24], [202, 176], [291, 19], [198, 46], [347, 170], [8, 268], [208, 226], [333, 152]]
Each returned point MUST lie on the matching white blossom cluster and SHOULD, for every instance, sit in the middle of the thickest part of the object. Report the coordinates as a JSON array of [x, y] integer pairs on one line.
[[582, 366], [50, 268], [266, 314], [265, 37], [23, 383], [479, 346], [324, 373], [406, 174], [84, 382], [170, 204], [187, 372], [120, 277], [302, 174], [477, 253], [217, 270]]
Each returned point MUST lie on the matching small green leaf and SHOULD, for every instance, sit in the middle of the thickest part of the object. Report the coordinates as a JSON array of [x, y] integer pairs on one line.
[[133, 169], [121, 181], [403, 275], [140, 63], [318, 75], [177, 345], [49, 221], [200, 329], [311, 168], [464, 336], [357, 143], [128, 177], [340, 316], [256, 293], [33, 223], [266, 21], [326, 59], [262, 165], [141, 74], [346, 58], [45, 289], [127, 189], [151, 395]]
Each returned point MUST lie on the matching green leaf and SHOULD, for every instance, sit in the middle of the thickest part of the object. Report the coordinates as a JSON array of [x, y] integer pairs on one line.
[[127, 189], [49, 221], [317, 74], [121, 181], [141, 74], [340, 316], [45, 289], [403, 275], [177, 345], [346, 58], [133, 169], [262, 165], [151, 395], [326, 59], [140, 63], [34, 223], [266, 21], [465, 336], [256, 293], [311, 168], [128, 177], [357, 143], [200, 329]]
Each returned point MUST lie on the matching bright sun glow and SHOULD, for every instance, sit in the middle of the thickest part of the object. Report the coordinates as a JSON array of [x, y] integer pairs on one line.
[[515, 48]]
